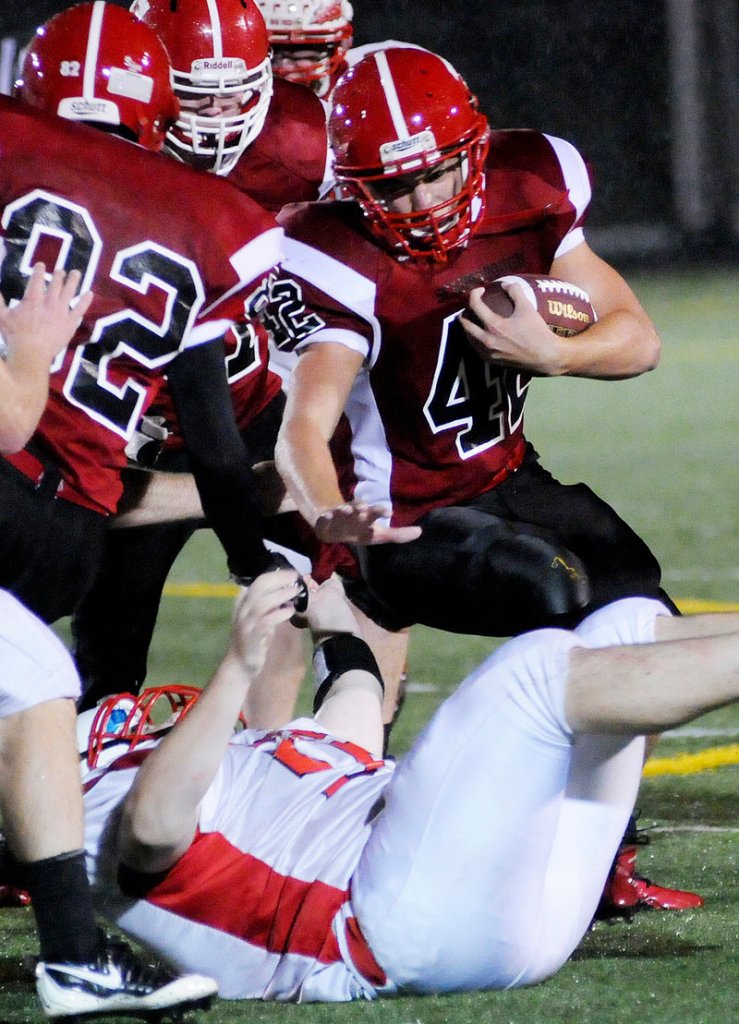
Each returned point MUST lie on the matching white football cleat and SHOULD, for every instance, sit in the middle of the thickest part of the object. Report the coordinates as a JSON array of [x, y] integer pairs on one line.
[[119, 982]]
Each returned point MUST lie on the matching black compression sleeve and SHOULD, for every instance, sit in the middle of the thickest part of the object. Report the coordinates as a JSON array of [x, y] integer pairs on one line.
[[227, 485]]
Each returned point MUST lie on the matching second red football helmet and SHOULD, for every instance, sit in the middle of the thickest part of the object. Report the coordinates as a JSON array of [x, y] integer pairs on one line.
[[95, 62], [122, 721], [309, 40], [219, 50], [398, 116]]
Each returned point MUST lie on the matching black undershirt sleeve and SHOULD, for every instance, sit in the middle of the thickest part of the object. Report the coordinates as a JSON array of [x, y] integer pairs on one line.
[[225, 481]]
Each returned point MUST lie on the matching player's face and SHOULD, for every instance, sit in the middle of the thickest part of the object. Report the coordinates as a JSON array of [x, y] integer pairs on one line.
[[425, 190], [305, 66], [213, 106], [292, 61]]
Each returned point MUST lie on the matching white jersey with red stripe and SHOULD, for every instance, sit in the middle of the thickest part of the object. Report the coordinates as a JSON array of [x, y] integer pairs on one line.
[[261, 898], [319, 874]]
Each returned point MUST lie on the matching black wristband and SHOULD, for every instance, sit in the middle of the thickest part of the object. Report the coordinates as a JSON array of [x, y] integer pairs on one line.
[[335, 656]]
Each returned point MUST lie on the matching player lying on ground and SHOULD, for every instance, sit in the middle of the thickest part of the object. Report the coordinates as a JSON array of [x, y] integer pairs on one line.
[[297, 864]]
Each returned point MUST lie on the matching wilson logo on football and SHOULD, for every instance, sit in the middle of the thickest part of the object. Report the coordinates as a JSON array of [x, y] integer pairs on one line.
[[568, 312]]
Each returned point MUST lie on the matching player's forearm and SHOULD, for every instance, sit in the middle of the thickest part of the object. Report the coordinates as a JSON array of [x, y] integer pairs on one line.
[[224, 479], [619, 346], [150, 496], [305, 464], [161, 811], [647, 688], [623, 342], [228, 496], [160, 815], [153, 497], [319, 389], [24, 390]]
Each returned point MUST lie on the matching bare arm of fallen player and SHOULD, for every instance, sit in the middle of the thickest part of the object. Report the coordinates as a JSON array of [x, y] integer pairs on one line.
[[160, 812], [319, 389], [623, 343]]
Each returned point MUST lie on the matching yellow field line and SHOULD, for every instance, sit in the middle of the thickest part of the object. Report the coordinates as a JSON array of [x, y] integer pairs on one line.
[[692, 764], [687, 605], [201, 590], [694, 605]]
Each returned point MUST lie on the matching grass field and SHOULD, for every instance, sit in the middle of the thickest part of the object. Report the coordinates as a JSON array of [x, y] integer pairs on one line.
[[663, 450]]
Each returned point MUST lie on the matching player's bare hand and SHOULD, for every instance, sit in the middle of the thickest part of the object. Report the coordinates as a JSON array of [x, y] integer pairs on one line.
[[47, 316], [522, 341], [329, 610], [356, 522], [260, 608]]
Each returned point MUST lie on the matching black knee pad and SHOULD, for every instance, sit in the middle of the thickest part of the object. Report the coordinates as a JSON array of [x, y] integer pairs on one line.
[[544, 579]]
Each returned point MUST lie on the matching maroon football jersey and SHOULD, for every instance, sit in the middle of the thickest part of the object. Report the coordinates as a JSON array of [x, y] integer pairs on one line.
[[172, 256], [430, 423]]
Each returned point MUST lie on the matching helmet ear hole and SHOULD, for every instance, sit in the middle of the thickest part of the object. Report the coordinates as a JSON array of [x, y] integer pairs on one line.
[[404, 114], [96, 63]]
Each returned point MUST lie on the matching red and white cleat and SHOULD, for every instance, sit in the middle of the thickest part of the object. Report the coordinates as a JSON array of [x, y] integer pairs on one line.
[[627, 892], [12, 896]]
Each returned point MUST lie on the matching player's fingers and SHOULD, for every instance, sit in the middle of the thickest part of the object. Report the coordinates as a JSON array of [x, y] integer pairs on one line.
[[293, 594], [82, 305], [54, 287], [515, 290], [352, 510], [36, 287], [369, 513], [480, 319], [270, 587], [68, 285], [395, 534]]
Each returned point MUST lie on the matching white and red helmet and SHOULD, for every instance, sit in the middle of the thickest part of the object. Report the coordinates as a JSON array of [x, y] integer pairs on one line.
[[123, 721], [400, 112], [309, 40], [95, 62], [218, 48]]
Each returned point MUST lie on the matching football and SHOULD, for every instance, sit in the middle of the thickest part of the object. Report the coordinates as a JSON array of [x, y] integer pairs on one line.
[[564, 307]]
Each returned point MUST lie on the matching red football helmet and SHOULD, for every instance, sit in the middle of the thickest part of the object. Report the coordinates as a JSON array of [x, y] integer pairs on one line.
[[309, 40], [219, 51], [95, 62], [123, 721], [399, 117]]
